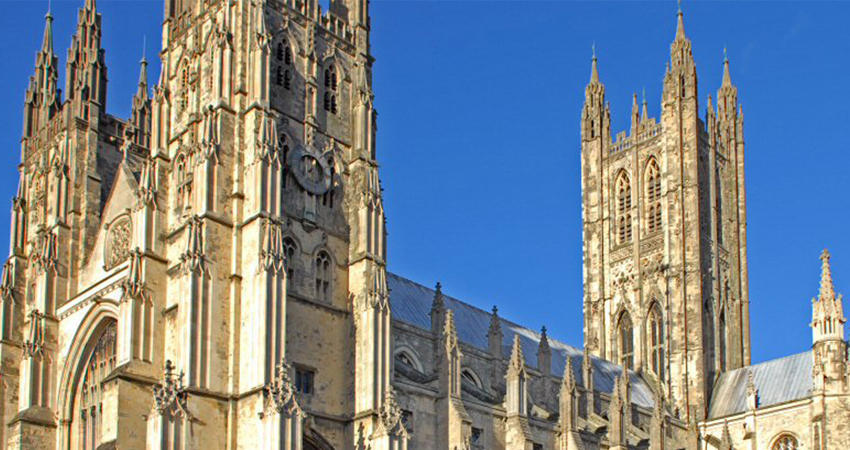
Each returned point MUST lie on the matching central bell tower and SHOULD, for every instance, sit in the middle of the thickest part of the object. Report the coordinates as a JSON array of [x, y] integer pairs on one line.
[[664, 221]]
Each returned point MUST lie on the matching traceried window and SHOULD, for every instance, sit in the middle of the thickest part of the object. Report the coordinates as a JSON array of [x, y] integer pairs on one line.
[[652, 198], [323, 276], [89, 397], [330, 89], [625, 335], [656, 341], [785, 442], [624, 208], [290, 250]]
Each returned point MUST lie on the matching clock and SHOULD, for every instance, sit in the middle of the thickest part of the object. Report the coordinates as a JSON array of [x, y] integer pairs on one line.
[[310, 169]]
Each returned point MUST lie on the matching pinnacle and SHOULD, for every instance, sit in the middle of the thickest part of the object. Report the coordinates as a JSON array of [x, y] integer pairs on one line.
[[827, 290], [727, 80], [517, 358], [680, 27], [594, 72], [47, 43]]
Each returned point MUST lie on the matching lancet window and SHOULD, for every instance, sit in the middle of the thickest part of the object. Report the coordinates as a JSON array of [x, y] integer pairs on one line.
[[656, 341], [652, 198], [625, 334], [323, 276], [624, 208], [331, 86]]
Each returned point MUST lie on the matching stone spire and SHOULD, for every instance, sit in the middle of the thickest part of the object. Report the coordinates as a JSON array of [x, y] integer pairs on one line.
[[47, 42], [727, 80], [635, 115], [517, 361], [544, 354], [827, 309], [438, 309], [680, 25], [494, 334], [594, 71], [142, 92], [644, 115], [752, 391]]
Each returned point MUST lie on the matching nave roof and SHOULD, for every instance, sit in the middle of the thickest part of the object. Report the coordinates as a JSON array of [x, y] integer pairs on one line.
[[411, 304]]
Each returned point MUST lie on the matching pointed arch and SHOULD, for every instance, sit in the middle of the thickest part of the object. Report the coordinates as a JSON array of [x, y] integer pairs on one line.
[[291, 252], [102, 318], [469, 375], [623, 213], [652, 195], [331, 77], [324, 271], [656, 339], [408, 356], [625, 339]]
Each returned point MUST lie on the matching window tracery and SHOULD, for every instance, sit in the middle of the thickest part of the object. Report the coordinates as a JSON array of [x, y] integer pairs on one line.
[[323, 276], [652, 202], [785, 442], [330, 103], [89, 398], [290, 249]]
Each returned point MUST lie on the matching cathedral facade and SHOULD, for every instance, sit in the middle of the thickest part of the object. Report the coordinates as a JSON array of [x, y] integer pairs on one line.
[[211, 273]]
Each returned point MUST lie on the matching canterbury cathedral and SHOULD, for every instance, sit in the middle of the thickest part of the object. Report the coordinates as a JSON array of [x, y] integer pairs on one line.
[[211, 272]]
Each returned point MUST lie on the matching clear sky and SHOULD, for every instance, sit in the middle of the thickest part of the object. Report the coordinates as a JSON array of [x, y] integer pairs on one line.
[[479, 105]]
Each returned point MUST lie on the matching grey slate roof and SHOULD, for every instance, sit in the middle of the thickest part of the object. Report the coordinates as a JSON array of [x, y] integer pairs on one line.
[[778, 381], [411, 304]]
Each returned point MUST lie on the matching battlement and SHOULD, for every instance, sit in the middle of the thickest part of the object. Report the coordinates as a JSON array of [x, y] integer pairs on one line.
[[624, 142]]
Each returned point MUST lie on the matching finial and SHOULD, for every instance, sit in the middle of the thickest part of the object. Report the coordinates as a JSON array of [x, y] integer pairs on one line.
[[594, 73], [49, 7], [680, 27], [725, 55], [144, 47], [680, 6], [827, 290], [593, 50], [644, 96]]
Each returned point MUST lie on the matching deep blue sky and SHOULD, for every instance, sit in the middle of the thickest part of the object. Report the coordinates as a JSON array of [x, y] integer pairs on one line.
[[478, 135]]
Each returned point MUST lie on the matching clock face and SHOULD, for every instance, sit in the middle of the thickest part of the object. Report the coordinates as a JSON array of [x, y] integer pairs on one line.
[[311, 171]]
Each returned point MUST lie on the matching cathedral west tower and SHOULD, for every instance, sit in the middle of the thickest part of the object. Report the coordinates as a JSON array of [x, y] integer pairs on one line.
[[664, 218]]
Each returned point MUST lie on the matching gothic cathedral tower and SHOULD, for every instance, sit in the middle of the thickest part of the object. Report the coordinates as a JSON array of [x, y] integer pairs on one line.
[[231, 231], [664, 218]]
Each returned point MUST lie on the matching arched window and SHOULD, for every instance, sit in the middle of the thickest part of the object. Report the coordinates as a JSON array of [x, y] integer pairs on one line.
[[330, 89], [407, 358], [183, 181], [323, 276], [283, 57], [625, 334], [470, 376], [652, 198], [624, 208], [656, 341], [89, 396], [290, 250], [785, 442]]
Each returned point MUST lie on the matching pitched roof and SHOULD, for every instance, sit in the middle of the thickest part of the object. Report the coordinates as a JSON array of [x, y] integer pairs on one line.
[[778, 381], [411, 304]]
